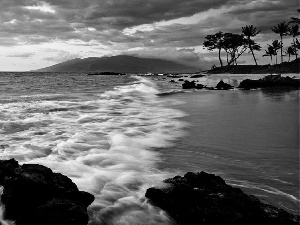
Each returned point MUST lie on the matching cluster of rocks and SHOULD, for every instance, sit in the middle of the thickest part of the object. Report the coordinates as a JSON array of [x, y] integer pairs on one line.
[[202, 198], [270, 81], [192, 85], [34, 195]]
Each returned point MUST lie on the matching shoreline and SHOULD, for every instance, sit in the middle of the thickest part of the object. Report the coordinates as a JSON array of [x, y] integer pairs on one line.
[[285, 67]]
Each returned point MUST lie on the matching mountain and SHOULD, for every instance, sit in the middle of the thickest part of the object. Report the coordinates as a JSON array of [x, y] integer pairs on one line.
[[121, 63]]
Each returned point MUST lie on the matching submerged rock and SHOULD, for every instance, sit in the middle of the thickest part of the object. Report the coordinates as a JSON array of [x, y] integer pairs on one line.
[[270, 81], [202, 198], [34, 195]]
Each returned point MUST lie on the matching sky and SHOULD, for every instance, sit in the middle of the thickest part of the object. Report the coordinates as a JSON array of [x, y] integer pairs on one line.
[[35, 34]]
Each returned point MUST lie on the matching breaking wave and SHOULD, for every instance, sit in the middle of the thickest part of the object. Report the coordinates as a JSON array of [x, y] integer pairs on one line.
[[105, 142]]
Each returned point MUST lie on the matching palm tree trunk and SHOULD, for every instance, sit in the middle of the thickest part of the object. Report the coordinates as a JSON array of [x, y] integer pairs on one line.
[[289, 56], [227, 58], [281, 49], [271, 60], [220, 57], [252, 51]]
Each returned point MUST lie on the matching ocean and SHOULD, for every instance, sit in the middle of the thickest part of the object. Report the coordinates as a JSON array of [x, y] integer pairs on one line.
[[116, 136]]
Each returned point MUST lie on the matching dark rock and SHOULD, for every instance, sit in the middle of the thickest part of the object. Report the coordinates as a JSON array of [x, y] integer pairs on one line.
[[106, 73], [180, 79], [34, 195], [172, 81], [202, 198], [200, 86], [188, 84], [197, 76], [223, 86], [270, 81]]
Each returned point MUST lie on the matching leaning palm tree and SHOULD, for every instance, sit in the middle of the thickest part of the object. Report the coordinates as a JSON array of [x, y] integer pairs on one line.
[[250, 31], [290, 51], [270, 52], [294, 31], [282, 30]]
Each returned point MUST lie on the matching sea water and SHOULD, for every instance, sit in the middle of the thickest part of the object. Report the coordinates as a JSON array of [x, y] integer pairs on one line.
[[116, 136]]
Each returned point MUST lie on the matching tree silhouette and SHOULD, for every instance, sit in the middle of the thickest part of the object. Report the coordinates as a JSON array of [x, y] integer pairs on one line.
[[282, 30], [235, 45], [290, 51], [296, 46], [250, 31], [270, 52], [276, 45], [294, 31], [215, 41]]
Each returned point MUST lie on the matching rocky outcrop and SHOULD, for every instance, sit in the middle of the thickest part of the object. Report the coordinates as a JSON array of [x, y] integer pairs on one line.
[[270, 81], [34, 195], [223, 86], [285, 67], [191, 84], [202, 198]]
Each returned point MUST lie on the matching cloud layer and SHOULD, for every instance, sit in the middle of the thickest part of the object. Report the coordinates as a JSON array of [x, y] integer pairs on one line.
[[170, 29]]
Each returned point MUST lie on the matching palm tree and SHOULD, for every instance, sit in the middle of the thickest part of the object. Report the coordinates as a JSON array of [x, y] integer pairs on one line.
[[250, 31], [290, 51], [294, 31], [282, 30], [270, 52], [296, 45], [276, 45]]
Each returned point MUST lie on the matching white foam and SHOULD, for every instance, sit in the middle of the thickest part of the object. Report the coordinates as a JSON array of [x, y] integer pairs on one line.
[[2, 220], [106, 145]]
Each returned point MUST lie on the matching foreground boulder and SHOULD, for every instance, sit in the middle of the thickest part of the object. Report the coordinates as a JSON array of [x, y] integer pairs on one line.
[[270, 81], [34, 195], [202, 198]]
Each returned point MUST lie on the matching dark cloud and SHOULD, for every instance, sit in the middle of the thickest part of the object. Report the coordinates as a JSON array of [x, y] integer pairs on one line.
[[93, 21]]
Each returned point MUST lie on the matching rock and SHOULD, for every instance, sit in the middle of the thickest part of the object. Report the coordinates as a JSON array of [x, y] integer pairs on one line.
[[34, 195], [172, 81], [270, 81], [197, 76], [223, 86], [188, 84], [200, 86], [202, 198], [181, 79]]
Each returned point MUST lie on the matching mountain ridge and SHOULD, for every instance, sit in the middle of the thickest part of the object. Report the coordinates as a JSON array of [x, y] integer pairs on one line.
[[120, 63]]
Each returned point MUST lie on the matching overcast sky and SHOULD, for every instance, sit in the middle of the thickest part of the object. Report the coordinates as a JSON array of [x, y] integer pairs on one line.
[[35, 34]]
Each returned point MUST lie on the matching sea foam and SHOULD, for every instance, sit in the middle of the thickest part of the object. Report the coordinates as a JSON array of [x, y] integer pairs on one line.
[[105, 143]]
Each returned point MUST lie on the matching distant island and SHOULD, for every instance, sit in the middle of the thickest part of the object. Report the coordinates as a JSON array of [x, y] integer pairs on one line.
[[119, 64], [285, 67]]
